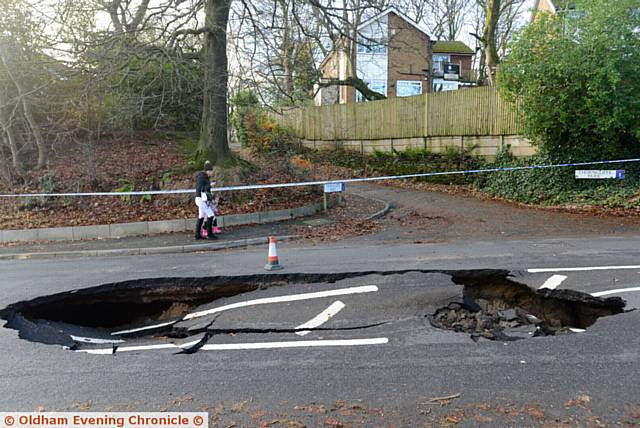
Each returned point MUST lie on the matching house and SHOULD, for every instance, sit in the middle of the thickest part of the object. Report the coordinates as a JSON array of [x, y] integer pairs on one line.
[[451, 65], [569, 10], [392, 56], [551, 6]]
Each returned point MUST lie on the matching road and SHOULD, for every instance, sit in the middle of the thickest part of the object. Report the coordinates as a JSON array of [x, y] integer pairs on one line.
[[390, 361]]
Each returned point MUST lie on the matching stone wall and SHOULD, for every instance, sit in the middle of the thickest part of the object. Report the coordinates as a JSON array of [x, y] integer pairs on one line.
[[485, 146]]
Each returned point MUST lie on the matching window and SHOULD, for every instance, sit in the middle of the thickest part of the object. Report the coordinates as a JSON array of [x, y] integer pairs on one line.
[[438, 64], [407, 88], [440, 85], [373, 46], [379, 86]]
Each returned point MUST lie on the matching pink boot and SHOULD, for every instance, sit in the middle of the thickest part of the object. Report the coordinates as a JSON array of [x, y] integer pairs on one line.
[[216, 229]]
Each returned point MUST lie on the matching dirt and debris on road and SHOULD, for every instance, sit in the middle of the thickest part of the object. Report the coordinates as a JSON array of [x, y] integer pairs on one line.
[[431, 215]]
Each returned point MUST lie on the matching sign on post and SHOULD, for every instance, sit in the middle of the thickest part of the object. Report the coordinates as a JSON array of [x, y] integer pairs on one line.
[[333, 187], [600, 174]]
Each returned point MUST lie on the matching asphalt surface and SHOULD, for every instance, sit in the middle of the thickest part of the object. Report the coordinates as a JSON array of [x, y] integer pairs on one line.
[[391, 362], [578, 379]]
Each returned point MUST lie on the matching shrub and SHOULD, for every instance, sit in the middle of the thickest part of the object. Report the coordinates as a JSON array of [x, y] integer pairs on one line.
[[558, 186], [575, 74]]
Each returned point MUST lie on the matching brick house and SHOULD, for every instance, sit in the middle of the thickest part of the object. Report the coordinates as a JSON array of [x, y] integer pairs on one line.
[[393, 57], [445, 55]]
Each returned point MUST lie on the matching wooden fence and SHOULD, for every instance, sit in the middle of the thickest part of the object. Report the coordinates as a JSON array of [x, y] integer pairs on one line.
[[468, 112]]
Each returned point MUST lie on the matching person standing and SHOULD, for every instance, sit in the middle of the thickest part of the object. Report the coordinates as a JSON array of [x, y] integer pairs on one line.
[[204, 201]]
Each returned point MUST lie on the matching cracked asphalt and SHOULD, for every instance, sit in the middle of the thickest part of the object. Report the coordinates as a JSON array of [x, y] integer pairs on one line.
[[583, 379]]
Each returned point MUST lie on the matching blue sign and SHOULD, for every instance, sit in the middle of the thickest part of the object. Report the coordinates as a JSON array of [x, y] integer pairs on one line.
[[600, 174], [334, 187]]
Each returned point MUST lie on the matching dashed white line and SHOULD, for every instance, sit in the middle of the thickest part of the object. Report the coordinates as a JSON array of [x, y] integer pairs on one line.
[[553, 282], [619, 290], [264, 301], [129, 349], [296, 344], [581, 269], [148, 327], [321, 318], [288, 298], [247, 346], [95, 340]]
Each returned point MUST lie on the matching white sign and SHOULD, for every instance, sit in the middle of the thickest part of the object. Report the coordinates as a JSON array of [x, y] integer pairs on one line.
[[600, 174], [105, 419], [333, 187]]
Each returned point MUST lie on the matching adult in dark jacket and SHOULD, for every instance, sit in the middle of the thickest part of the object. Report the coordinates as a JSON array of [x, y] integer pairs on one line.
[[204, 201]]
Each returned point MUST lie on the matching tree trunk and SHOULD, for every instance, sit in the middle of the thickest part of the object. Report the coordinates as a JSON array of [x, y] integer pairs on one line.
[[489, 40], [35, 129], [287, 49], [28, 113], [8, 135], [213, 144]]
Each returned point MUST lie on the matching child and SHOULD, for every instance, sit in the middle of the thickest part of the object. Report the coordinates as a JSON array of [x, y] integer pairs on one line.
[[203, 201]]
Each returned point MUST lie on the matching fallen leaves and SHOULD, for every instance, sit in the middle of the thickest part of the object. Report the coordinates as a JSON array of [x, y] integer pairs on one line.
[[443, 401], [141, 162], [582, 400]]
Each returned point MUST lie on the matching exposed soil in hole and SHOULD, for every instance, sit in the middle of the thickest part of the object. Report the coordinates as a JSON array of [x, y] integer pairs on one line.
[[498, 308], [492, 305]]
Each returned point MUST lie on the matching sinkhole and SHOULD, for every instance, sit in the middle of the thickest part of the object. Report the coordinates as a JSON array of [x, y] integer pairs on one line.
[[484, 303]]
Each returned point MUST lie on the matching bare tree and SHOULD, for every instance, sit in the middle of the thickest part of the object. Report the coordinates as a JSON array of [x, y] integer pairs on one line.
[[444, 19], [501, 19]]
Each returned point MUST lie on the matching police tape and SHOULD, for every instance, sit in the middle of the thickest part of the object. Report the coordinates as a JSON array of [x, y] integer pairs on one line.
[[322, 182]]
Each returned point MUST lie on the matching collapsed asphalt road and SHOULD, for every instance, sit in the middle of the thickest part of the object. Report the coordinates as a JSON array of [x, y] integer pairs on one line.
[[185, 314], [384, 363]]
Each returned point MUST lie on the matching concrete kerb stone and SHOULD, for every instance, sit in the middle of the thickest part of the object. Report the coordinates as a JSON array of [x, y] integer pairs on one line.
[[240, 219], [76, 233], [54, 233], [90, 232], [20, 235], [383, 212], [214, 246], [167, 226], [273, 216], [119, 230]]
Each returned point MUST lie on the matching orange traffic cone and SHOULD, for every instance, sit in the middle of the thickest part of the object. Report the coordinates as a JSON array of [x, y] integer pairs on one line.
[[272, 262]]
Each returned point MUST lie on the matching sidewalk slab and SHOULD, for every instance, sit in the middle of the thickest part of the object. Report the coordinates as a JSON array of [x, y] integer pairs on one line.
[[213, 246]]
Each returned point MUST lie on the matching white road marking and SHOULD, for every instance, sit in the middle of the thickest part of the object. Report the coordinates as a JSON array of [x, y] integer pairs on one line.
[[619, 290], [295, 344], [94, 340], [577, 330], [581, 269], [149, 327], [321, 318], [288, 298], [188, 344], [553, 282], [264, 301], [244, 346], [129, 349]]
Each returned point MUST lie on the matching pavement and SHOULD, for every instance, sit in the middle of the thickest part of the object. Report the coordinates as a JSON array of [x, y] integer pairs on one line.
[[232, 237], [584, 379], [359, 206]]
